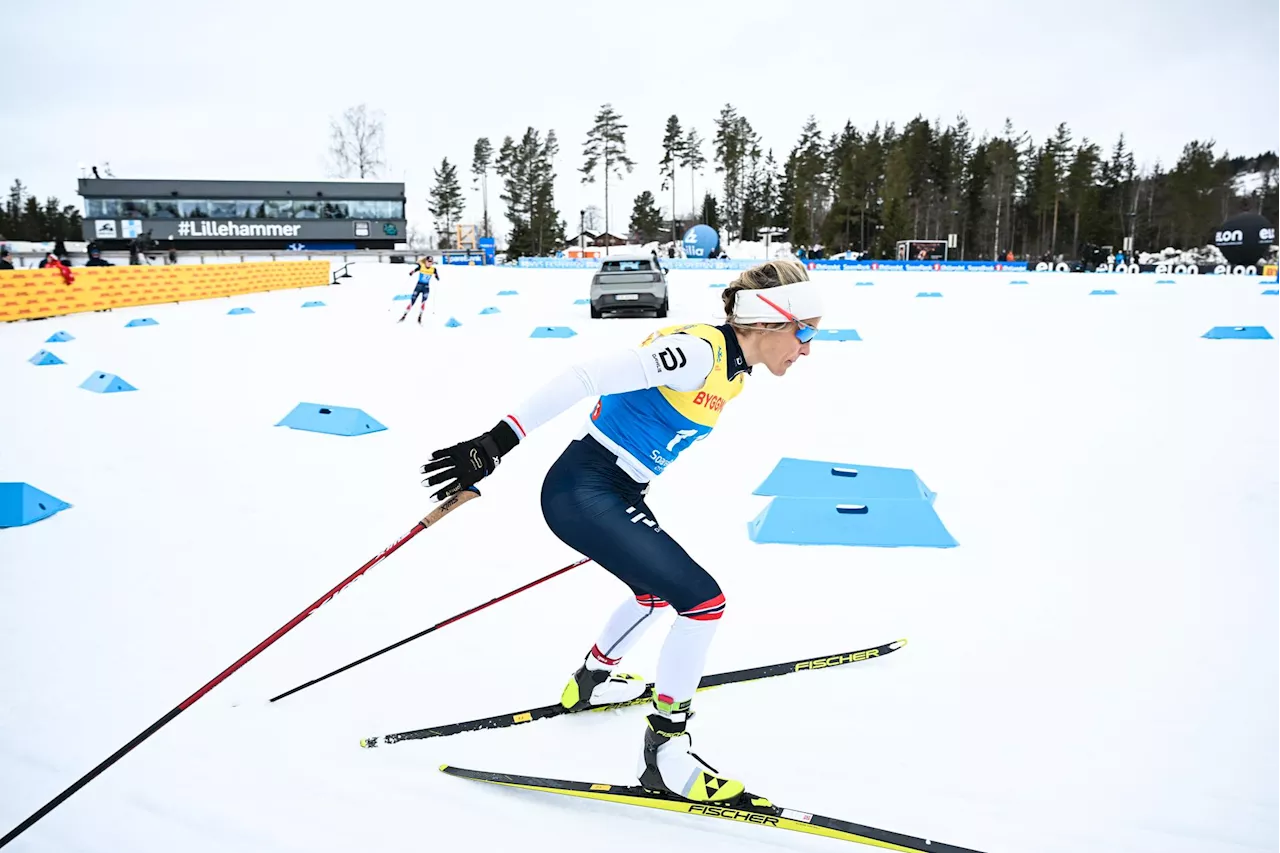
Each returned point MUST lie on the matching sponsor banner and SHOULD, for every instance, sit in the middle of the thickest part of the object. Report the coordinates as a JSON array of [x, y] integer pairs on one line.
[[1159, 269], [267, 231], [29, 294], [747, 263]]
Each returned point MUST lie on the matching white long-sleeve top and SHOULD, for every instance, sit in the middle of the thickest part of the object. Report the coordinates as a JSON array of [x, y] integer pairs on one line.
[[680, 362]]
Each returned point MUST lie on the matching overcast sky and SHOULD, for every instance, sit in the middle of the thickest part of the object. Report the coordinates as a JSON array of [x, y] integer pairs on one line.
[[245, 89]]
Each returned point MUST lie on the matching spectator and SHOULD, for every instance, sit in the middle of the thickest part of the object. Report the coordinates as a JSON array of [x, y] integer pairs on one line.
[[96, 259], [5, 263]]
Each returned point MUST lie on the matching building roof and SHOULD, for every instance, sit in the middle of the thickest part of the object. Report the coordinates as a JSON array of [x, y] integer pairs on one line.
[[342, 190]]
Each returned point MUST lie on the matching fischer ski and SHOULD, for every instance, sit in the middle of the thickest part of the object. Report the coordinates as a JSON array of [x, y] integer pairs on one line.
[[748, 809], [502, 721]]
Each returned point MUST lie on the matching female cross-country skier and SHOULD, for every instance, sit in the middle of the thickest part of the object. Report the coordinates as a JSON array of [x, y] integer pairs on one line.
[[655, 401], [425, 269]]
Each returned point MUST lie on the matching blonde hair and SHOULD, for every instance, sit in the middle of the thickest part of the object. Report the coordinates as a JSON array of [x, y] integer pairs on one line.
[[766, 275]]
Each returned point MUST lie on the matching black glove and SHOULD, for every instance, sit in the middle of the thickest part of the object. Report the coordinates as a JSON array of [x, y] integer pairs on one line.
[[469, 462]]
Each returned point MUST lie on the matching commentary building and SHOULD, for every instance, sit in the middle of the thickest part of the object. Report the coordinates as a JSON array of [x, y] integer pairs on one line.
[[266, 215]]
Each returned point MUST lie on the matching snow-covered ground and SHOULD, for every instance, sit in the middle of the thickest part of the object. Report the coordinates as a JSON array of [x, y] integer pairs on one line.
[[1094, 668]]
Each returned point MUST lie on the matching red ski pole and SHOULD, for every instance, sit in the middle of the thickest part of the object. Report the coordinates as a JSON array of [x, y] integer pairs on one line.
[[446, 507]]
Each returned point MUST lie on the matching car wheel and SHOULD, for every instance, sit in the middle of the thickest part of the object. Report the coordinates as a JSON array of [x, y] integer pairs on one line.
[[595, 313], [662, 311]]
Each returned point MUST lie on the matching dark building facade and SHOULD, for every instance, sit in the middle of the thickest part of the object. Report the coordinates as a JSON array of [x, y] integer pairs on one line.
[[189, 215]]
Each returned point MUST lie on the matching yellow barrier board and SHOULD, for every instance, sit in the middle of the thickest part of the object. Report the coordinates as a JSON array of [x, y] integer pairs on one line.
[[36, 293], [1269, 270]]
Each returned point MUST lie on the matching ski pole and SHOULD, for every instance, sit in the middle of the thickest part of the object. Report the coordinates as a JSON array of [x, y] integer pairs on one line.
[[446, 507], [435, 627]]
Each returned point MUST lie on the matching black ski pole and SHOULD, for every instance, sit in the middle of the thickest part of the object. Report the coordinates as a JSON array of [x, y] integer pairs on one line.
[[435, 627]]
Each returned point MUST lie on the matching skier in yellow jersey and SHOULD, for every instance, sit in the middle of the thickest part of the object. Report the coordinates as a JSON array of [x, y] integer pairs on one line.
[[425, 269], [655, 401]]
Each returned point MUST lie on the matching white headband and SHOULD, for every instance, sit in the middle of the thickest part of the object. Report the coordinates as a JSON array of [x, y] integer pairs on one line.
[[801, 299]]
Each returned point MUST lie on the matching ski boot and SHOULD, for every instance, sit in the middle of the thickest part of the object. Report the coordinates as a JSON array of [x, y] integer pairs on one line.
[[667, 765], [402, 316], [590, 687]]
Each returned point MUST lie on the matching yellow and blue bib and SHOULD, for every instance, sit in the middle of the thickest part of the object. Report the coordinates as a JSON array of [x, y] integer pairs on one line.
[[425, 271], [655, 425]]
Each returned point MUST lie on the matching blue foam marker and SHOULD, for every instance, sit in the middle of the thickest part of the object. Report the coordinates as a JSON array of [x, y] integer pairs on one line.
[[452, 323], [582, 302], [929, 293], [106, 383], [873, 522], [45, 357], [141, 321], [1102, 293], [314, 303], [22, 503], [864, 283], [718, 286], [240, 311], [553, 332], [59, 337], [401, 296], [1020, 281], [837, 335], [333, 420], [508, 293], [1166, 281], [489, 310], [1271, 293], [810, 478], [1250, 333]]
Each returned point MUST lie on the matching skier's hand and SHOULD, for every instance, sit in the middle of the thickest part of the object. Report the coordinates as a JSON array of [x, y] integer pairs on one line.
[[468, 462]]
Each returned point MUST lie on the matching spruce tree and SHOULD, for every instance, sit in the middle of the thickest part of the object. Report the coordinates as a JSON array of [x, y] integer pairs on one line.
[[692, 158], [446, 203], [606, 145], [481, 160], [646, 218], [672, 151]]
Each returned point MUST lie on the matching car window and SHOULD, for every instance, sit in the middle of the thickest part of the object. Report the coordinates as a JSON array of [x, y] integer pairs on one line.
[[625, 266]]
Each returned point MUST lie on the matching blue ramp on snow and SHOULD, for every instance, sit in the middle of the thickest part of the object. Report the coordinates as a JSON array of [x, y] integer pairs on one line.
[[1019, 281], [106, 383], [582, 302], [314, 303], [22, 503], [59, 337], [1253, 333], [810, 478], [864, 284], [490, 310], [1102, 293], [401, 296], [880, 523], [932, 293], [334, 420], [141, 321], [452, 323], [240, 311], [553, 332], [45, 357], [508, 293], [837, 335], [1271, 293]]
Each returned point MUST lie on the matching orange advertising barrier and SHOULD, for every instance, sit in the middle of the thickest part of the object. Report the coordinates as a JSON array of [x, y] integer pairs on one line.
[[31, 294]]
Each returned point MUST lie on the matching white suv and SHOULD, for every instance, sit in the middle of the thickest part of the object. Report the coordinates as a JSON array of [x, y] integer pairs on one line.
[[627, 284]]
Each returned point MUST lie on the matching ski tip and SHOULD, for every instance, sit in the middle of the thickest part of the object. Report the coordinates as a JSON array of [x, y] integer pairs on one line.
[[369, 742], [444, 768], [897, 644]]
